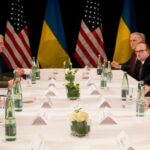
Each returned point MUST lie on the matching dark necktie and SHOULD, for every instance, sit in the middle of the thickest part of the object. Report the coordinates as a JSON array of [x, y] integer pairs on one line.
[[140, 71]]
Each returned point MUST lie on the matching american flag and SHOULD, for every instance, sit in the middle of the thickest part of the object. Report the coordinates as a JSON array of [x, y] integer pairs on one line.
[[90, 40], [17, 47]]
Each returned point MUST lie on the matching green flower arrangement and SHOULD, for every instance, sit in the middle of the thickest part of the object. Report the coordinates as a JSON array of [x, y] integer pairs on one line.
[[79, 123], [70, 75], [67, 64], [73, 90]]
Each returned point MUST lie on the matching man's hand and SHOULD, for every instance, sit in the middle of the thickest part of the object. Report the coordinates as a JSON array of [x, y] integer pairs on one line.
[[20, 71], [10, 83], [115, 65]]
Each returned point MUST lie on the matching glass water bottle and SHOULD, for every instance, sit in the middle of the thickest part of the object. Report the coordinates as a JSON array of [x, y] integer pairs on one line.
[[10, 121], [33, 71], [124, 87], [37, 70], [17, 91], [141, 102], [99, 65]]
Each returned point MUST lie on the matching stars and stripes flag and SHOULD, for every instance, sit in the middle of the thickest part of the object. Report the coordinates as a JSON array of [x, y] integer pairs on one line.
[[90, 40], [17, 48]]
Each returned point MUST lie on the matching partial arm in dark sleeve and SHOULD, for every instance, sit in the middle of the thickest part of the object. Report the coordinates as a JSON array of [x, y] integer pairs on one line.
[[126, 66]]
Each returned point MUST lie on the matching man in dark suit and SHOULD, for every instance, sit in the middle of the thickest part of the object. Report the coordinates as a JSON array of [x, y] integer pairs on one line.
[[129, 66], [142, 67]]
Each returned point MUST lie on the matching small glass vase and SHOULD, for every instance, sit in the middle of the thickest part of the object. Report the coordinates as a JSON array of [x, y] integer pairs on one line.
[[73, 93], [79, 129], [140, 108]]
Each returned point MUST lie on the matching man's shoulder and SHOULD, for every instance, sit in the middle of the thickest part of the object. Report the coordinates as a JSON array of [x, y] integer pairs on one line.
[[147, 61]]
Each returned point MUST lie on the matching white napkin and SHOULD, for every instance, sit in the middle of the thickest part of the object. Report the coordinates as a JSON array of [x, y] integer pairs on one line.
[[85, 75], [41, 119], [108, 120], [92, 90], [107, 117], [103, 103], [89, 82], [123, 142], [52, 82], [51, 91], [37, 143], [52, 76], [46, 105]]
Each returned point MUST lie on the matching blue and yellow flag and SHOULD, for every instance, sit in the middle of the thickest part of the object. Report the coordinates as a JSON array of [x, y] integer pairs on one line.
[[127, 25], [52, 49]]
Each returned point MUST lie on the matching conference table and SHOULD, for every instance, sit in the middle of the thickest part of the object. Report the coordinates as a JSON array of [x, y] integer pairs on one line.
[[44, 123]]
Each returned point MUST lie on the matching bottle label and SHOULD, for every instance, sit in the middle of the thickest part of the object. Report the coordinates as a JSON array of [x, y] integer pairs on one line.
[[10, 128], [140, 108], [103, 83], [18, 101], [37, 74], [99, 71], [33, 77], [124, 94]]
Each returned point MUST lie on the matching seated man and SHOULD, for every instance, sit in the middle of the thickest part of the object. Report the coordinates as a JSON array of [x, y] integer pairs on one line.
[[135, 38], [142, 71], [6, 76], [7, 81]]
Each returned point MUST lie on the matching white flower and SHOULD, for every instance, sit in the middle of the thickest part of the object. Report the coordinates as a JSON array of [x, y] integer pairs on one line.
[[69, 71], [79, 116], [66, 70]]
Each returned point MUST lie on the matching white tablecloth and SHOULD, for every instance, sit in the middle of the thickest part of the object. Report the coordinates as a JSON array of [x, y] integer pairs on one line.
[[56, 134]]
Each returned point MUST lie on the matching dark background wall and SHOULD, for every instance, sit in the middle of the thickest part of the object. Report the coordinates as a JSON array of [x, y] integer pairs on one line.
[[72, 12]]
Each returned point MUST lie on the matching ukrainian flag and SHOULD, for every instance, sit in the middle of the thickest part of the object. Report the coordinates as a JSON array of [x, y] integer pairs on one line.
[[52, 49], [127, 25]]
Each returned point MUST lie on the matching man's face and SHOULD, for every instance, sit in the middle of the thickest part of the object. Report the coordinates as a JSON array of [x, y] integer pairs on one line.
[[134, 40], [141, 52]]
